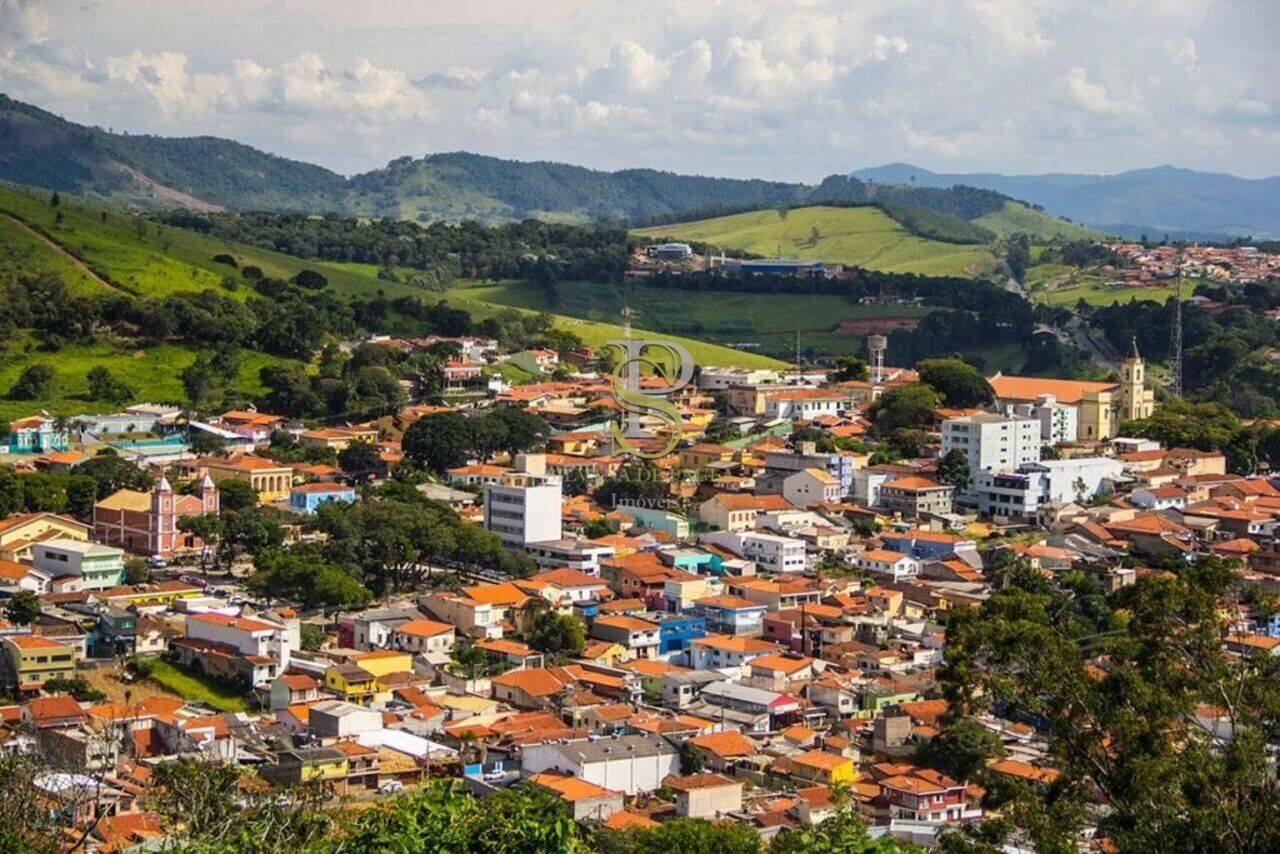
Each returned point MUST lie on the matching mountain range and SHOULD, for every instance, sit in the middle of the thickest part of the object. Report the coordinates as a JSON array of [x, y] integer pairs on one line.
[[1161, 200], [41, 149]]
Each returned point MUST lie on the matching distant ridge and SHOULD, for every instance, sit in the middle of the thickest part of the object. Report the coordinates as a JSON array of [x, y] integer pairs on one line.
[[1182, 202]]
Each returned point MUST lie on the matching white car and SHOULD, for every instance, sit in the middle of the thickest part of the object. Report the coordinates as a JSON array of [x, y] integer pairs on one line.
[[391, 786]]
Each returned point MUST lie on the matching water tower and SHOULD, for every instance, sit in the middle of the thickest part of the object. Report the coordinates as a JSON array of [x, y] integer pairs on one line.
[[876, 345]]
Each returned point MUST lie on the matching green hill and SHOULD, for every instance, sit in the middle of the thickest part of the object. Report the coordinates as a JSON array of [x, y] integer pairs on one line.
[[858, 236], [1017, 218], [97, 252]]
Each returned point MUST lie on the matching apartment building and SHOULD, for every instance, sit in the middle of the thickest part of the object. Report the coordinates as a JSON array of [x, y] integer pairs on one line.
[[523, 506], [993, 442]]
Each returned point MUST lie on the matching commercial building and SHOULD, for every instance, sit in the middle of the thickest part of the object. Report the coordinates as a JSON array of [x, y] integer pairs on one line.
[[632, 764]]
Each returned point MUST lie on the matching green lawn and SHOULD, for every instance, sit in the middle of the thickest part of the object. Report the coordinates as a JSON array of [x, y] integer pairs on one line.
[[22, 252], [862, 237], [152, 373], [192, 686], [1017, 218], [1097, 293]]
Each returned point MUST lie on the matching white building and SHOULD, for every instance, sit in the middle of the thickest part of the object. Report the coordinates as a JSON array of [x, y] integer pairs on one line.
[[264, 644], [95, 566], [524, 506], [894, 566], [811, 486], [632, 764], [1058, 421], [866, 485], [992, 442], [1021, 493], [770, 552]]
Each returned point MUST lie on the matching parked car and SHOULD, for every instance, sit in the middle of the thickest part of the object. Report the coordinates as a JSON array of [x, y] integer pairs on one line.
[[391, 786], [157, 562], [194, 580]]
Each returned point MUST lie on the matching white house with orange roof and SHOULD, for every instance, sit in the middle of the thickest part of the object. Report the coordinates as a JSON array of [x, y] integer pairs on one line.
[[721, 652], [894, 566], [231, 647]]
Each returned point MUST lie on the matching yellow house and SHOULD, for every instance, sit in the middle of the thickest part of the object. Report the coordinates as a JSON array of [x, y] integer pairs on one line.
[[352, 683], [822, 767], [324, 765], [20, 533], [35, 660], [700, 456], [268, 478], [339, 438], [148, 595], [603, 652], [380, 662]]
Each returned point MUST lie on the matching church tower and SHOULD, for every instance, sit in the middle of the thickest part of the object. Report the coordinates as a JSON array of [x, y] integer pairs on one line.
[[164, 518], [1136, 401]]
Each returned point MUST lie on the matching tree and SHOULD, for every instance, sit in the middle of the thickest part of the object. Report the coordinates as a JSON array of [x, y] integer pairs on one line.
[[959, 384], [36, 382], [910, 405], [306, 578], [206, 444], [251, 530], [679, 835], [208, 528], [438, 442], [236, 495], [1126, 734], [953, 469], [104, 386], [442, 815], [136, 571], [558, 635], [360, 459], [469, 658], [850, 368], [22, 608], [961, 750], [111, 473]]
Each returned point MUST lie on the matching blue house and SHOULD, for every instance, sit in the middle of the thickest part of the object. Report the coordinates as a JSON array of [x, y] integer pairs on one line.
[[927, 545], [36, 435], [676, 633], [306, 497]]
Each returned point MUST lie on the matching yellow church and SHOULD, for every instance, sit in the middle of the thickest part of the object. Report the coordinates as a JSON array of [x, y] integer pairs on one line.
[[1100, 407]]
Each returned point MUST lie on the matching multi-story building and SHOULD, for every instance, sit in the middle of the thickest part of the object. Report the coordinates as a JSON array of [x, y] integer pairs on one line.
[[993, 442], [914, 497], [770, 552], [32, 661], [250, 649], [524, 506], [1019, 494], [1058, 422], [806, 456], [810, 487], [147, 523], [97, 567]]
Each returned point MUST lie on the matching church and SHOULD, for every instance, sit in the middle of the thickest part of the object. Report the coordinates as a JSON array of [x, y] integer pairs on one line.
[[146, 523], [1100, 407]]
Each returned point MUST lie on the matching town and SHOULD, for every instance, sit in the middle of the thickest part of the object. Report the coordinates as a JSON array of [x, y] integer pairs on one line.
[[749, 628]]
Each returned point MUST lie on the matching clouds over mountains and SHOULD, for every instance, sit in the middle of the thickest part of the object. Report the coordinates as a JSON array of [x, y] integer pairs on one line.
[[775, 89]]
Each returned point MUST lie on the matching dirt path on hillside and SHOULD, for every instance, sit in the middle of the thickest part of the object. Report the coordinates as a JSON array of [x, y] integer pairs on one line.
[[60, 249]]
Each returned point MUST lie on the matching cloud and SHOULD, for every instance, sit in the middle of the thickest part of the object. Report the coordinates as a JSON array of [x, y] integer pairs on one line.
[[769, 88]]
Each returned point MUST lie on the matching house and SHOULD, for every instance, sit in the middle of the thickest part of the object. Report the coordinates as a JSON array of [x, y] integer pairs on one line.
[[716, 652], [20, 533], [894, 565], [94, 566], [639, 637], [306, 497], [36, 435], [914, 497], [819, 767], [729, 511], [732, 615], [291, 689], [147, 523], [705, 795], [423, 636], [925, 795], [257, 427], [811, 486], [586, 800], [244, 649], [722, 751], [534, 688], [631, 764], [338, 438], [351, 683], [32, 661]]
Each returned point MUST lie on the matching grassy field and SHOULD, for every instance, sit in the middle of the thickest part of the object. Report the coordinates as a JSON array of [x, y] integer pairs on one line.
[[1059, 284], [1017, 218], [862, 237], [768, 320], [596, 334], [152, 373], [190, 686]]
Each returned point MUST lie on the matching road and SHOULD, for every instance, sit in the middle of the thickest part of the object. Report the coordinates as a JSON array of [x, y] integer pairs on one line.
[[1077, 330]]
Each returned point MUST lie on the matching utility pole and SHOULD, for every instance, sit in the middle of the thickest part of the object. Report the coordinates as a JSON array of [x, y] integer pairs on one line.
[[797, 349]]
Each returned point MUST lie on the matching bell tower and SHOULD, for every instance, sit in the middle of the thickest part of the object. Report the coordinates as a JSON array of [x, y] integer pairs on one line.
[[1135, 401]]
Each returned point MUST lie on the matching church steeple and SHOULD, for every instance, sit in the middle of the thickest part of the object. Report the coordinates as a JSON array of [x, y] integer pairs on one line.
[[1134, 355]]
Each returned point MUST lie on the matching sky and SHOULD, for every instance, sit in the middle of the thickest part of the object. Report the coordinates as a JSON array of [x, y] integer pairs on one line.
[[779, 89]]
